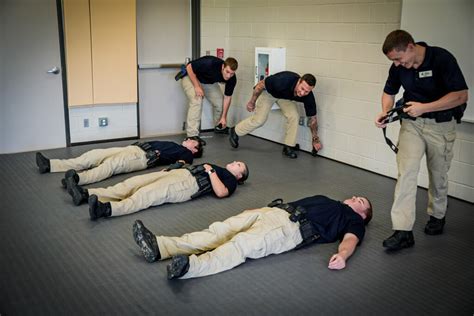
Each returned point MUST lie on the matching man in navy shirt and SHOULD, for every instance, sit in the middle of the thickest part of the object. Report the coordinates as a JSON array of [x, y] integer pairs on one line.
[[435, 96], [99, 164], [258, 233], [201, 80], [175, 184], [283, 88]]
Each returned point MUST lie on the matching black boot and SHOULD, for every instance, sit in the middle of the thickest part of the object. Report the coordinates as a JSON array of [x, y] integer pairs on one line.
[[435, 226], [399, 240], [79, 194], [43, 163], [289, 152], [70, 174], [146, 240], [98, 209], [178, 267], [233, 138]]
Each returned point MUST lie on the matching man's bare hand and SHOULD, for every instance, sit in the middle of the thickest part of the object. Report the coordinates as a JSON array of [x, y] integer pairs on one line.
[[379, 120], [337, 262], [199, 92], [251, 106]]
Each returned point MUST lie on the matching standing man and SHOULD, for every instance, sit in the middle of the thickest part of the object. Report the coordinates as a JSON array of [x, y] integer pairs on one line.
[[283, 88], [259, 233], [201, 80], [435, 95]]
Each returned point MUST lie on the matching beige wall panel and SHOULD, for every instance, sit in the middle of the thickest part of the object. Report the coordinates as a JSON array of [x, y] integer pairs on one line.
[[78, 51], [114, 52]]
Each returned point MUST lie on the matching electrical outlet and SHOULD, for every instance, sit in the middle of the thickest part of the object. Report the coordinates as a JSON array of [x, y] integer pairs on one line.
[[86, 122], [103, 121], [301, 121]]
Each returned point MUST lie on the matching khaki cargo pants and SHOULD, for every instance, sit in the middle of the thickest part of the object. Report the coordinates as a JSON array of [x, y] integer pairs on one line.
[[100, 164], [141, 192], [417, 138], [262, 110], [224, 245], [213, 93]]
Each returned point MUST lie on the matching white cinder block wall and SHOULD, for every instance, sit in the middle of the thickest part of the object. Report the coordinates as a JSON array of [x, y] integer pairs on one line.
[[339, 41]]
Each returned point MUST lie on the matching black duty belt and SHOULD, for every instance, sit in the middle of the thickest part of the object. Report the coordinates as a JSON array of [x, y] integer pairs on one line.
[[202, 180], [153, 156], [298, 214]]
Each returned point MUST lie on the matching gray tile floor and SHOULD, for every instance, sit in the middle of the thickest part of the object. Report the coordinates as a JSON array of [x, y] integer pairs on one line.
[[54, 260]]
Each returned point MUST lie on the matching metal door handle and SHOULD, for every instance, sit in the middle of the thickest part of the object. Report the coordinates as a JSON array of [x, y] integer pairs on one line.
[[55, 70]]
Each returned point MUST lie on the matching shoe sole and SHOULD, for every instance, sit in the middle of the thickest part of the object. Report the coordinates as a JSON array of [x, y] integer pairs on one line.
[[39, 164], [402, 246], [233, 143], [77, 197], [92, 208], [233, 139], [147, 251], [175, 270], [433, 233]]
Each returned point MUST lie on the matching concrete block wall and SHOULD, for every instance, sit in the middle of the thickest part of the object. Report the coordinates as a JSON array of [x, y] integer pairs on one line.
[[339, 41], [122, 122]]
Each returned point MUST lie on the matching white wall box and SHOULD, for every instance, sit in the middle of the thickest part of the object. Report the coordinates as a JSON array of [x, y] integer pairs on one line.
[[269, 61]]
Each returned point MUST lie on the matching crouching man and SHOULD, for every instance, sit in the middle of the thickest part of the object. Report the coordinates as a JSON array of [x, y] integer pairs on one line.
[[258, 233]]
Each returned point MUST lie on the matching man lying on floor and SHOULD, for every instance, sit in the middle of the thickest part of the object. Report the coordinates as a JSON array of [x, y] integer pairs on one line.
[[99, 164], [177, 183], [258, 233]]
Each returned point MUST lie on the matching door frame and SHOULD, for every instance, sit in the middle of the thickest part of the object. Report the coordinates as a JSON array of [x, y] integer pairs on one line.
[[195, 51]]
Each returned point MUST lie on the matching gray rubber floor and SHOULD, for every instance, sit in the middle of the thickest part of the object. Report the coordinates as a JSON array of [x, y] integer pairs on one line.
[[54, 260]]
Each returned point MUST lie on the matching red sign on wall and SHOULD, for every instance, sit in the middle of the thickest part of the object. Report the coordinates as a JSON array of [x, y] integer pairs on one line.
[[220, 53]]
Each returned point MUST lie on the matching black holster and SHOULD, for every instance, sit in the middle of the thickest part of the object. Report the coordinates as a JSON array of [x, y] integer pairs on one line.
[[181, 73], [298, 214], [153, 156], [202, 180]]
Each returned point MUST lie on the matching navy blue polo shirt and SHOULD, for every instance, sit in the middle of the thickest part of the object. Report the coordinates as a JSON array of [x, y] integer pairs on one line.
[[208, 70], [282, 86], [226, 177], [171, 152], [438, 75], [331, 218]]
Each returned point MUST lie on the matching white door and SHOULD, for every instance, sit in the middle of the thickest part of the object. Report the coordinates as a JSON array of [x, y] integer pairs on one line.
[[163, 37], [31, 102]]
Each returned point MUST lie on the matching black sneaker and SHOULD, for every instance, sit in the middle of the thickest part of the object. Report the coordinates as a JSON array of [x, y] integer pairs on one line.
[[221, 130], [98, 209], [79, 194], [399, 240], [233, 138], [178, 267], [146, 240], [70, 177], [289, 152], [435, 226], [43, 163]]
